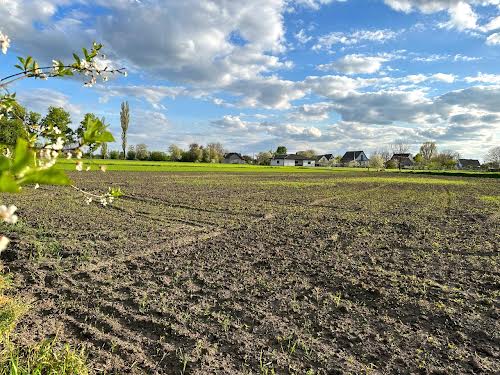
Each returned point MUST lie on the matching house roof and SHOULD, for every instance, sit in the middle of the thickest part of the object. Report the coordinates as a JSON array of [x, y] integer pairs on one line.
[[229, 154], [293, 157], [327, 156], [401, 156], [351, 155], [469, 162]]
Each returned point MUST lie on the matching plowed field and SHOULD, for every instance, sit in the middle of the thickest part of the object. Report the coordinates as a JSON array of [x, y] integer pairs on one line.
[[227, 273]]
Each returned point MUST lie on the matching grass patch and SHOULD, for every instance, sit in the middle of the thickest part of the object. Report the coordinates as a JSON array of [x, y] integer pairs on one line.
[[404, 180], [44, 358], [494, 199]]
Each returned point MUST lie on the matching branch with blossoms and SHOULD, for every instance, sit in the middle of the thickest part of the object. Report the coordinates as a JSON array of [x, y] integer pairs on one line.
[[28, 164]]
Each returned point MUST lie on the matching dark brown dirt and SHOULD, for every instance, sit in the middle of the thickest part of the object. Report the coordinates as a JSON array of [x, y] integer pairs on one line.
[[249, 273]]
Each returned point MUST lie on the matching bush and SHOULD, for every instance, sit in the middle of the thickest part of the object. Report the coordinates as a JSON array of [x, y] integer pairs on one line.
[[131, 155], [114, 154], [391, 164], [158, 156]]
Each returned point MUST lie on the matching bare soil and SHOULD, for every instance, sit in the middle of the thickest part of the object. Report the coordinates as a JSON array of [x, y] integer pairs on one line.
[[224, 273]]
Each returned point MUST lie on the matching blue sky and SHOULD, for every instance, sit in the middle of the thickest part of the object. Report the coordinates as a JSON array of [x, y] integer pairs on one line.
[[329, 75]]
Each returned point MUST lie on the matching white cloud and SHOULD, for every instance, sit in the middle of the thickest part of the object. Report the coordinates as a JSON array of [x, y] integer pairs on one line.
[[234, 124], [484, 78], [494, 24], [301, 37], [448, 78], [356, 37], [432, 6], [493, 39], [152, 94], [462, 17], [38, 100], [356, 64]]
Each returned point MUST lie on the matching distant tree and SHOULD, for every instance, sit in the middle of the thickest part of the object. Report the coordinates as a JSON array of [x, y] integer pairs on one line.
[[400, 146], [446, 159], [333, 162], [385, 153], [12, 125], [307, 153], [58, 117], [104, 150], [114, 154], [391, 164], [124, 122], [214, 152], [195, 153], [493, 157], [158, 156], [353, 163], [248, 159], [264, 158], [428, 150], [141, 151], [131, 154], [376, 162], [175, 152], [419, 160], [281, 150]]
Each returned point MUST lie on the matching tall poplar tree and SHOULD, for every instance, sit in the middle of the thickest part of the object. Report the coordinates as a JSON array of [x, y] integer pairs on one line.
[[124, 119]]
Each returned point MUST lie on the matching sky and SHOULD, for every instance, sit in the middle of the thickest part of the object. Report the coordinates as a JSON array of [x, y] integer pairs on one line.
[[328, 75]]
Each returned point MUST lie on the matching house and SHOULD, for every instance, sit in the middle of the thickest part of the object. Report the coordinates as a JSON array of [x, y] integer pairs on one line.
[[292, 160], [324, 159], [403, 160], [468, 164], [357, 156], [233, 158]]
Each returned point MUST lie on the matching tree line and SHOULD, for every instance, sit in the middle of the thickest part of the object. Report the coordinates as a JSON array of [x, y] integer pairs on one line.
[[14, 125]]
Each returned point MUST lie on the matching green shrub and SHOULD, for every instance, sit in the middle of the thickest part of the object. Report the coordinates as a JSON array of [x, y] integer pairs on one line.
[[158, 156], [131, 155], [114, 154]]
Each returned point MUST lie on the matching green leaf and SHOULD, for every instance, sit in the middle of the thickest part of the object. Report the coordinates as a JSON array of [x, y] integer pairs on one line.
[[49, 176], [27, 62], [22, 156], [8, 184], [4, 163], [77, 58]]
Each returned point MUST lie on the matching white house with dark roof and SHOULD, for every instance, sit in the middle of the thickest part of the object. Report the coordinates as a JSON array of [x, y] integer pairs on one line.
[[355, 156], [292, 160], [468, 164], [233, 158], [324, 159]]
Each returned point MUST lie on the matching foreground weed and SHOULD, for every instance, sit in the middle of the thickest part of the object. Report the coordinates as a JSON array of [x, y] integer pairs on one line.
[[493, 199], [44, 358], [184, 359], [266, 368]]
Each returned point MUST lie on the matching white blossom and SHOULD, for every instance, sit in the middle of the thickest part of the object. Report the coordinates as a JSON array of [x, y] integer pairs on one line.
[[4, 42], [104, 201], [78, 154], [69, 155], [79, 166], [56, 130], [103, 168], [37, 186], [88, 200], [4, 242], [7, 214], [87, 169]]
